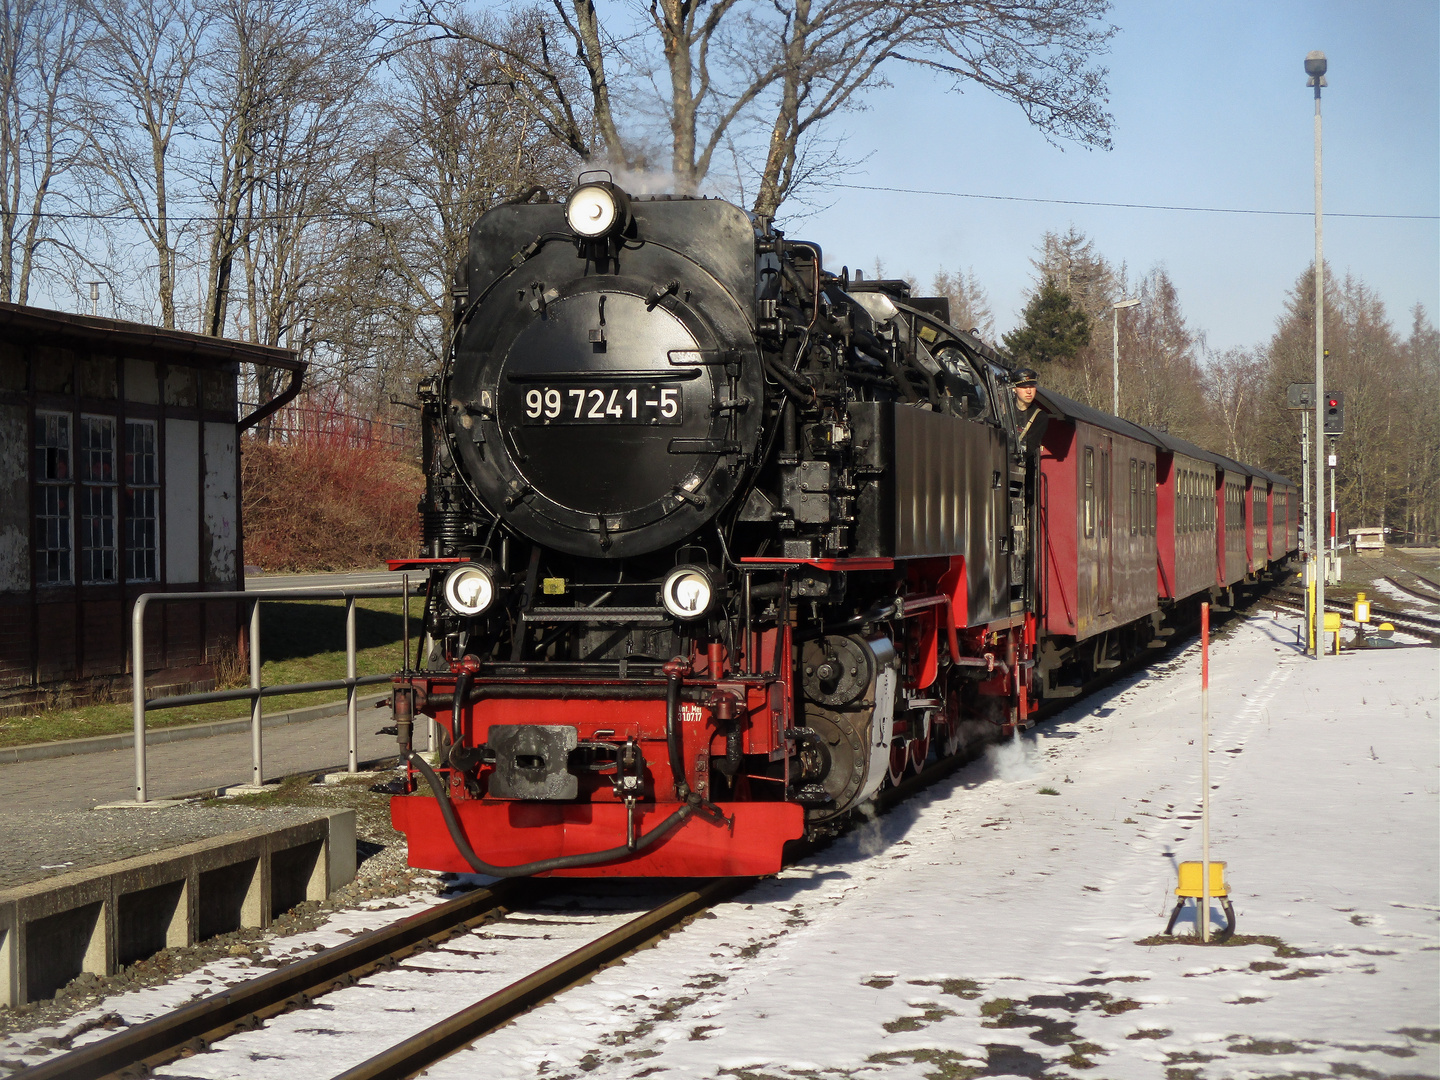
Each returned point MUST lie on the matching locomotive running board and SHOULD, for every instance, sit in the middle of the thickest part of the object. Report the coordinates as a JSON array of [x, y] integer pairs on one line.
[[508, 833]]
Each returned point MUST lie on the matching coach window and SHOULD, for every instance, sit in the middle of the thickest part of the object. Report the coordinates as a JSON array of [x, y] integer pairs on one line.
[[1107, 500], [142, 494], [54, 526], [1153, 502], [1089, 491], [1134, 498], [97, 499]]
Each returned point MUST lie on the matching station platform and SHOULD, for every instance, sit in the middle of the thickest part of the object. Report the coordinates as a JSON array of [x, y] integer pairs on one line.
[[91, 881]]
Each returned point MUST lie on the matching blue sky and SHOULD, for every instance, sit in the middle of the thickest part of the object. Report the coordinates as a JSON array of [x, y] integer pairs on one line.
[[1211, 109]]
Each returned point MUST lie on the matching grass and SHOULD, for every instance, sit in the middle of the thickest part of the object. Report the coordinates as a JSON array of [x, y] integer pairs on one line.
[[301, 641]]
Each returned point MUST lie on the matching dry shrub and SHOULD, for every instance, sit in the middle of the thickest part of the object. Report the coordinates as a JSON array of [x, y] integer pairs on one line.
[[323, 505]]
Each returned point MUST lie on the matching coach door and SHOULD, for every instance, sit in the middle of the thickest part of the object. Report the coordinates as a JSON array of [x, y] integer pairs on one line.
[[1104, 599]]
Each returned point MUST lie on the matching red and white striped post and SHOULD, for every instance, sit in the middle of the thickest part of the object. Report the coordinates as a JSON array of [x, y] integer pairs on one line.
[[1205, 773]]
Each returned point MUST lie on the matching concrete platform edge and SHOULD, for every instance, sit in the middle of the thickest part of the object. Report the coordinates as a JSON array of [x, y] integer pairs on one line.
[[109, 916], [10, 755]]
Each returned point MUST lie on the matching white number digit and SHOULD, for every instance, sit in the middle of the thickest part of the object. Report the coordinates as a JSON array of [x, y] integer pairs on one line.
[[612, 408], [532, 403], [552, 403], [579, 396], [634, 398], [669, 403], [597, 405]]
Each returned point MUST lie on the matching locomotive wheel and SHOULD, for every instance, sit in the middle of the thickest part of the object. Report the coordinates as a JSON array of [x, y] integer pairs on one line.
[[919, 747], [948, 729], [919, 752], [899, 760]]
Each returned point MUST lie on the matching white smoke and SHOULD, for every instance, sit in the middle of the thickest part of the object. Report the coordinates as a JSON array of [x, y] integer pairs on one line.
[[1015, 760], [870, 836], [632, 181]]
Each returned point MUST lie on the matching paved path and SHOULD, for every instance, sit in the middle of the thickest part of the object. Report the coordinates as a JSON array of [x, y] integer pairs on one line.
[[360, 579], [77, 783]]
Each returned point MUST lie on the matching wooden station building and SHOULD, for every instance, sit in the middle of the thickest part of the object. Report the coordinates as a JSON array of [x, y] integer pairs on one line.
[[119, 475]]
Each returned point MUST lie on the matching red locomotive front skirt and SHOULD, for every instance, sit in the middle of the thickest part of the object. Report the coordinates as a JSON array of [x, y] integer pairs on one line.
[[513, 833]]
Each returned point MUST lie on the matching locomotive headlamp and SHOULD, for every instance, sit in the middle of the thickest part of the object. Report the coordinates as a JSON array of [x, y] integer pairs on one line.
[[470, 588], [689, 591], [597, 207]]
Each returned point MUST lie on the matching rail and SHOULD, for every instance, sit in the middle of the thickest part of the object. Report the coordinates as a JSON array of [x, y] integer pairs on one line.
[[256, 692]]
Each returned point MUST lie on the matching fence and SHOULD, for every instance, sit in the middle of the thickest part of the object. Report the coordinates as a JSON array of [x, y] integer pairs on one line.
[[256, 692], [309, 423]]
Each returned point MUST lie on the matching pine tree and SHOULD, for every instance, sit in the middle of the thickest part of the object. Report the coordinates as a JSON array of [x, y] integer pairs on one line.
[[1055, 329]]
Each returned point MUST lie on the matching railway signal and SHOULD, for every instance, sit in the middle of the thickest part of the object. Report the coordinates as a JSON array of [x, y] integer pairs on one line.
[[1334, 413]]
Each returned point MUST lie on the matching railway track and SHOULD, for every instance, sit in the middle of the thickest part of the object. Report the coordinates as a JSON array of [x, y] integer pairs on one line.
[[199, 1026], [1422, 626], [1419, 594]]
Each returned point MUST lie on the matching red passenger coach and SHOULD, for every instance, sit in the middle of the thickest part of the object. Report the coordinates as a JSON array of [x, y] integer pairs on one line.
[[1097, 519], [1231, 523], [1186, 550]]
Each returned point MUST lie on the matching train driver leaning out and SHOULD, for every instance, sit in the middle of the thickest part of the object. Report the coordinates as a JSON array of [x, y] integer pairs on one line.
[[1030, 419]]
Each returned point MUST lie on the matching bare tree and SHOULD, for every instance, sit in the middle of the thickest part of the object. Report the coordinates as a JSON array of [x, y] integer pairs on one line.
[[786, 67], [1234, 384], [287, 83], [140, 70], [969, 303], [39, 134], [455, 140], [1160, 380]]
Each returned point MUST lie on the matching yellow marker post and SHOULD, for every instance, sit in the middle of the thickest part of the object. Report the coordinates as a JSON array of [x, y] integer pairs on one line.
[[1198, 886], [1362, 608], [1332, 623]]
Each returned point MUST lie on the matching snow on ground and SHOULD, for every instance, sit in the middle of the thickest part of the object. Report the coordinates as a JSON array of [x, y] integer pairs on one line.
[[989, 927]]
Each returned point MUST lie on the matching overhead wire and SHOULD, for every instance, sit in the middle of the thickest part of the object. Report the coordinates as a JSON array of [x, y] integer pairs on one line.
[[1130, 205], [361, 215]]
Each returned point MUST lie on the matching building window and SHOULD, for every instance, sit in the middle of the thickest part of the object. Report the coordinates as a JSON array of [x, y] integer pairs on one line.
[[1089, 491], [142, 496], [54, 481], [97, 499]]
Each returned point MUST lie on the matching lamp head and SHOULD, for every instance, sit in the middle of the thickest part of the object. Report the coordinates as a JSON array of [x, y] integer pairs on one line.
[[1315, 64]]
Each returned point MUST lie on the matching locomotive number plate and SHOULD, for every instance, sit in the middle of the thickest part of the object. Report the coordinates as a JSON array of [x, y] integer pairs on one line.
[[625, 403]]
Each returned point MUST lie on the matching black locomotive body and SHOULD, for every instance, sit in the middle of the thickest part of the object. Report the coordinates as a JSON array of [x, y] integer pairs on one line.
[[717, 542]]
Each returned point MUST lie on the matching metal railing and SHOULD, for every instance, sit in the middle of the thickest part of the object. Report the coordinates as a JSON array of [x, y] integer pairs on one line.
[[256, 692]]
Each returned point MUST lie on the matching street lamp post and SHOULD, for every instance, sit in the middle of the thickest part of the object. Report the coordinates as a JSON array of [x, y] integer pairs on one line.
[[1115, 352], [1315, 68]]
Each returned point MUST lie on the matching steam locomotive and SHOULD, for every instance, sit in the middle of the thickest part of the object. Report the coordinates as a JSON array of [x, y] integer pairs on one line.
[[717, 543]]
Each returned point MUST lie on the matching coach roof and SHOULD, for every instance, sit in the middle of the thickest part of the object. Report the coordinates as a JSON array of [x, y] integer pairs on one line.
[[1070, 409]]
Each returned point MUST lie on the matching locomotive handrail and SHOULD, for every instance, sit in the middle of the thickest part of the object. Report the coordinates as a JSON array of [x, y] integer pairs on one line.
[[256, 691]]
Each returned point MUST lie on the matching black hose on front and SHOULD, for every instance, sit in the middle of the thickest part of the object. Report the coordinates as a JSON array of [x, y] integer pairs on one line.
[[560, 862], [672, 738]]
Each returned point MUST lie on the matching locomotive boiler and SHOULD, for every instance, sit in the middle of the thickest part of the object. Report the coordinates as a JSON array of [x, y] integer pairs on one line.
[[716, 543]]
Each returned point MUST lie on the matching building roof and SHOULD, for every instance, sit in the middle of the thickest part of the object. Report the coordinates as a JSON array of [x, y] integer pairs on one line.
[[120, 336]]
